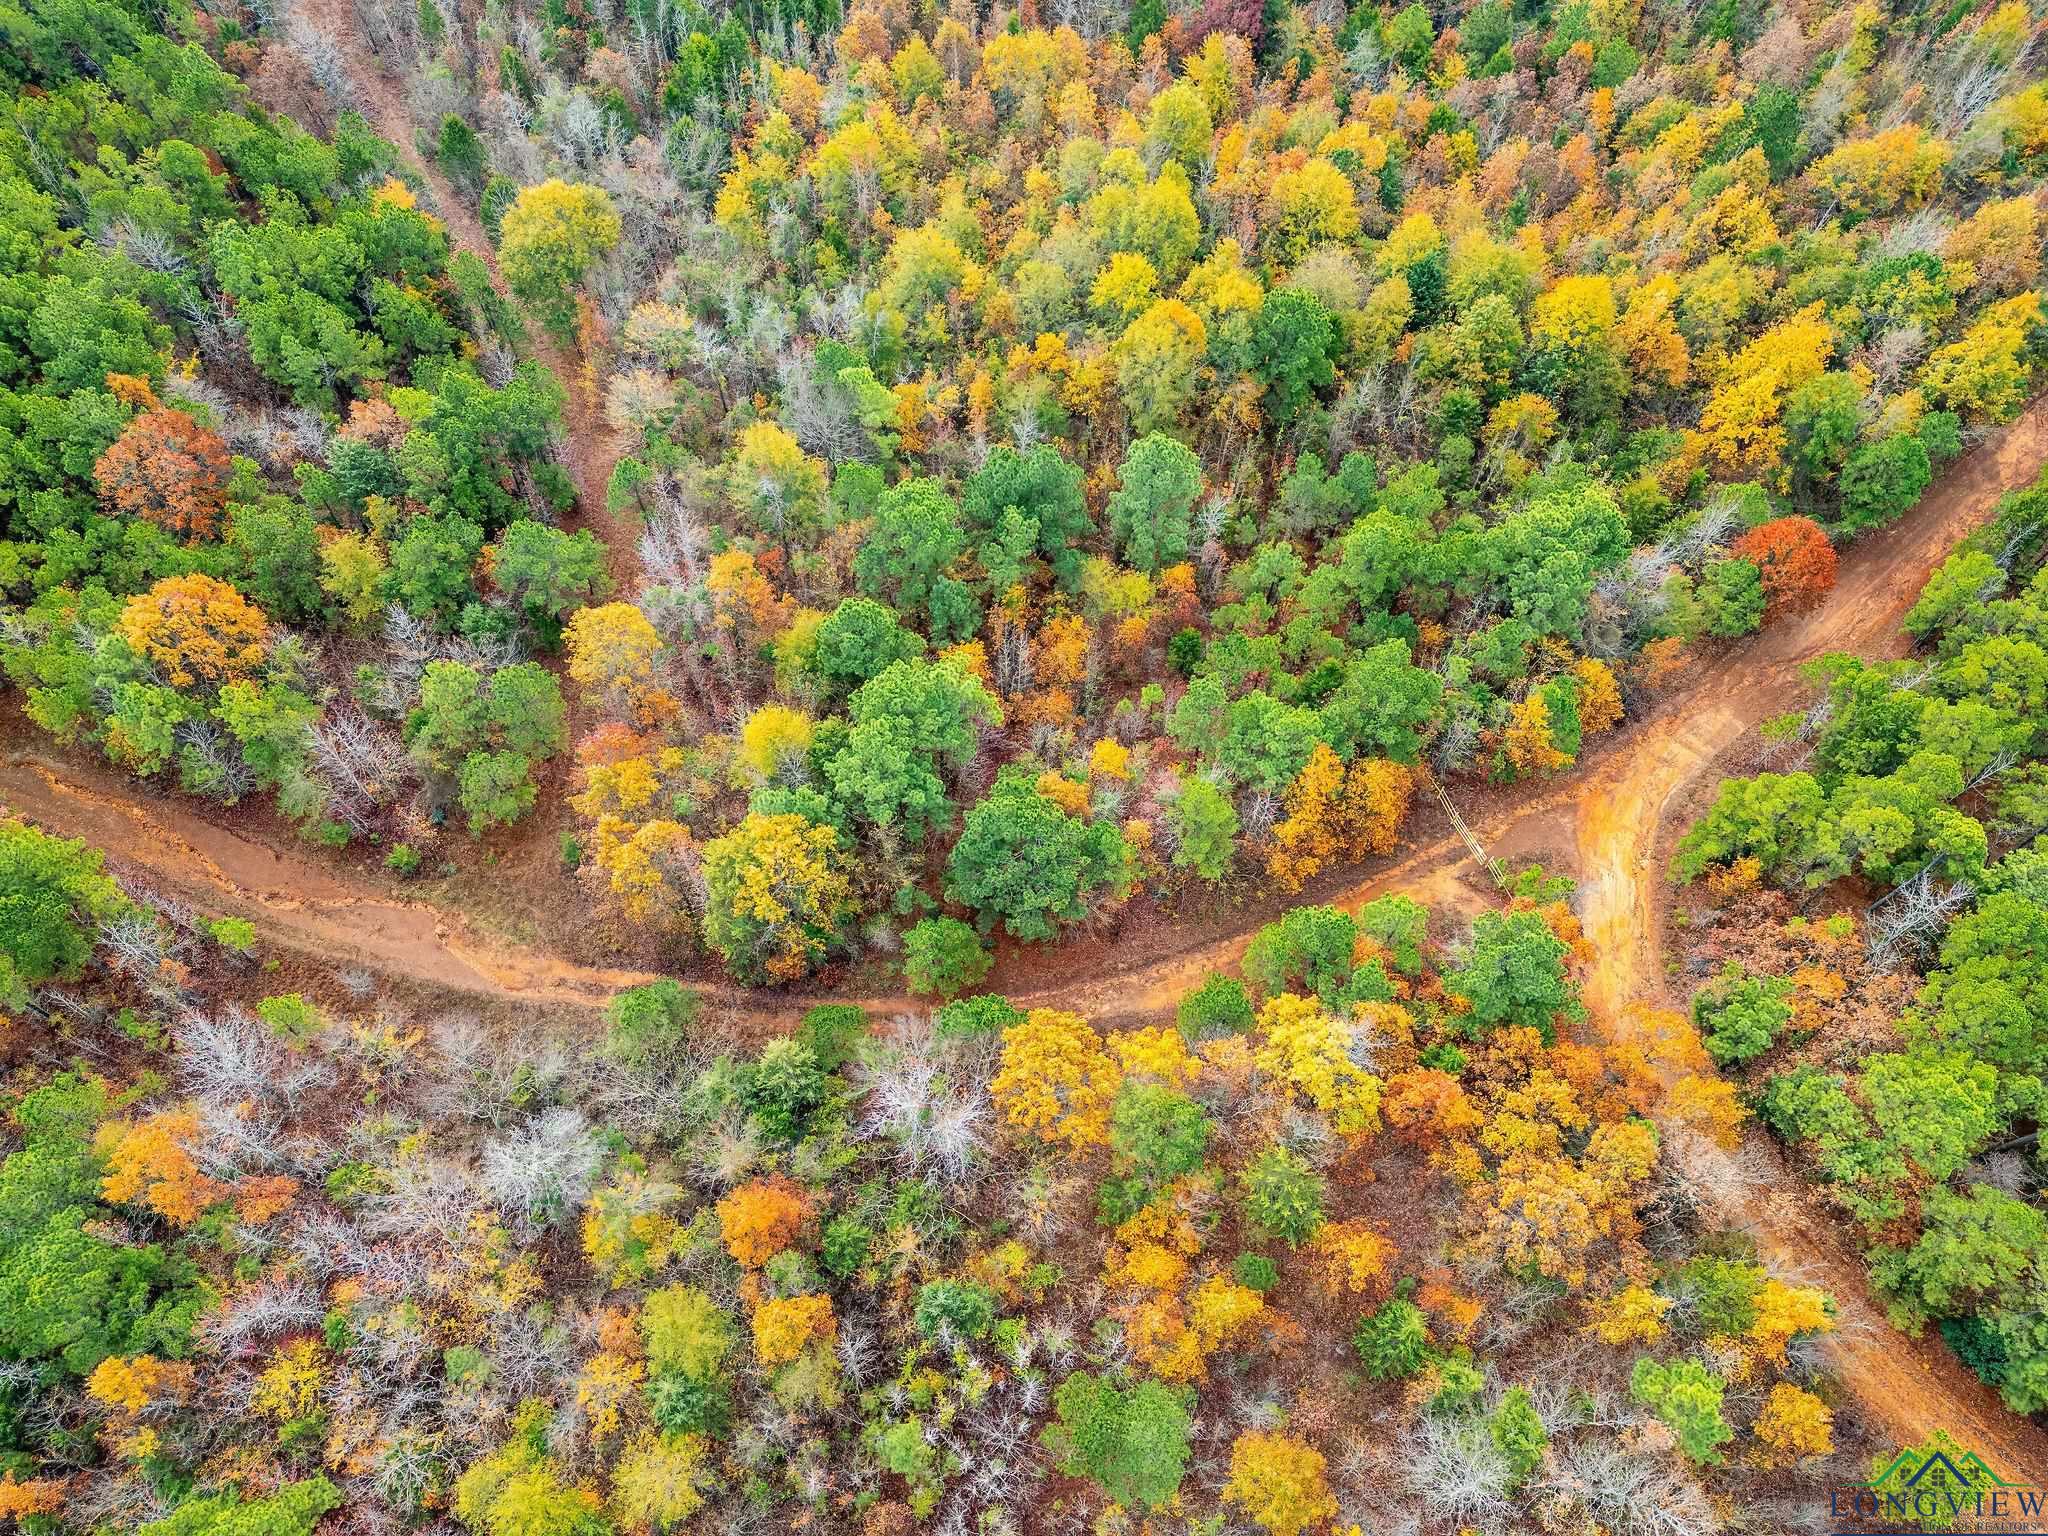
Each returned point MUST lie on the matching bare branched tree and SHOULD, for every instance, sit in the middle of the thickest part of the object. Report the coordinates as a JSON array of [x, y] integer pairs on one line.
[[227, 1058], [1907, 921], [259, 1313], [1629, 1487], [936, 1119], [1458, 1472], [539, 1173]]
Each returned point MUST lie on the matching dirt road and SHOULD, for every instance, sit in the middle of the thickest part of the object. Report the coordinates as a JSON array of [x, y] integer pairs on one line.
[[1905, 1387], [1609, 817], [1613, 819], [1609, 825], [301, 905]]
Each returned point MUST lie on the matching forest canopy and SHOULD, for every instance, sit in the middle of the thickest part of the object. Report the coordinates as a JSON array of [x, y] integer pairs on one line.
[[787, 501]]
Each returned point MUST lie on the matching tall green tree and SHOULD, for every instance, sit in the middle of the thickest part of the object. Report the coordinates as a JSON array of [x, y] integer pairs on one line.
[[1293, 340], [909, 722], [1131, 1440], [1514, 974], [54, 892], [1028, 504], [1152, 512], [1023, 862]]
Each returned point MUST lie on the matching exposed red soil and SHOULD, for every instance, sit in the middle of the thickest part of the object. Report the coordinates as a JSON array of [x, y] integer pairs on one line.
[[1625, 827], [1609, 823]]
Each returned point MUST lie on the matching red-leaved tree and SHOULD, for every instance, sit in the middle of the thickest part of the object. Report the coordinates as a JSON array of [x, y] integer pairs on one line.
[[1795, 559], [168, 469]]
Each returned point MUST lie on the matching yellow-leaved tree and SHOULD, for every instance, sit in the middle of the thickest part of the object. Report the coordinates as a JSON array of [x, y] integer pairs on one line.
[[1309, 1052], [1279, 1483], [777, 896], [1742, 424], [1793, 1425], [1309, 206], [552, 235], [1057, 1081], [773, 740], [614, 652], [198, 631], [1983, 376]]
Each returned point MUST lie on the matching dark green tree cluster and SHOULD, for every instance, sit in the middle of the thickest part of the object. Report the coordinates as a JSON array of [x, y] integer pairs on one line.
[[239, 251]]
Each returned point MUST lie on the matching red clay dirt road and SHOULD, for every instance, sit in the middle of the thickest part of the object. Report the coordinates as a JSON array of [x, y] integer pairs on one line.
[[1612, 817], [1608, 820], [1904, 1386]]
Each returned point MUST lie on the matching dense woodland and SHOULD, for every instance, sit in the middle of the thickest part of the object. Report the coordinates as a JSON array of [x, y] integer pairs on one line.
[[872, 485], [1361, 1230], [1064, 464]]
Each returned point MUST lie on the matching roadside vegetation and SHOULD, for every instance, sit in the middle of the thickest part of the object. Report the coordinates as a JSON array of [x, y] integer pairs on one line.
[[1867, 931]]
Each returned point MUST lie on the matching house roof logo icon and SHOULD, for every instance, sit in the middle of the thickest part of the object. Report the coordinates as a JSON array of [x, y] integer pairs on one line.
[[1969, 1470]]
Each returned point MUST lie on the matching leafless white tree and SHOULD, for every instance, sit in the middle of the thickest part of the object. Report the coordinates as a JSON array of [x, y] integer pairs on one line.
[[1631, 1488], [1909, 919], [362, 764], [1458, 1472], [936, 1119], [540, 1172], [227, 1058], [421, 1195], [258, 1313]]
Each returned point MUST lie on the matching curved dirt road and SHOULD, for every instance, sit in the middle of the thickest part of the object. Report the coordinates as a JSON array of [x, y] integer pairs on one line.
[[1613, 816], [1608, 815], [303, 905], [1608, 820], [1905, 1387]]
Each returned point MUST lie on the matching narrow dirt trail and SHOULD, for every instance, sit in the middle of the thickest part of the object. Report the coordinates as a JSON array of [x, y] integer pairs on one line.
[[1610, 822], [1905, 1387], [1611, 816], [587, 446]]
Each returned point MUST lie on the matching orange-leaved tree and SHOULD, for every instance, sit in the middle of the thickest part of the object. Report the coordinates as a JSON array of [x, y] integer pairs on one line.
[[151, 1161], [1794, 558], [1373, 805], [762, 1219], [167, 469], [197, 629]]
